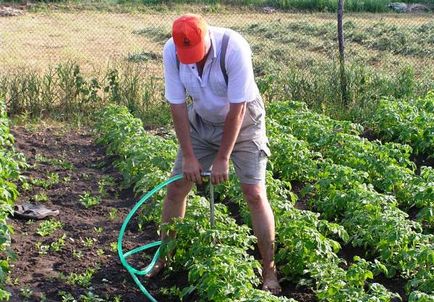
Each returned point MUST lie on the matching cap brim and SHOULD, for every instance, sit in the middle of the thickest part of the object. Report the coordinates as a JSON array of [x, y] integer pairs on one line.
[[192, 54]]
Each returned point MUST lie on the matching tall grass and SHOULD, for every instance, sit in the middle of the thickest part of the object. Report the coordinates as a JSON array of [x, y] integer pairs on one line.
[[309, 5], [331, 5], [320, 88], [293, 59], [64, 93]]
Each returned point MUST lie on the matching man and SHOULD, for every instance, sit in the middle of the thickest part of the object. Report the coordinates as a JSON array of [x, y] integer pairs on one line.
[[226, 120]]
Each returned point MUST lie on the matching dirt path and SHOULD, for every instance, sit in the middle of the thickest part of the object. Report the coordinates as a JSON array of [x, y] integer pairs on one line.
[[90, 233]]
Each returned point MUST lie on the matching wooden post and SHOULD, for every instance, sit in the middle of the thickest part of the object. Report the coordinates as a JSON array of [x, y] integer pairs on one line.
[[341, 40]]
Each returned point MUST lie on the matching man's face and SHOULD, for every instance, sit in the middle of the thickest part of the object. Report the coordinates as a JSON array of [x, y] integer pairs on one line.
[[207, 46], [207, 43]]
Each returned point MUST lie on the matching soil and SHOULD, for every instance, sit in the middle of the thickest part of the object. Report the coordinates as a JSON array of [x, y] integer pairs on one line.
[[370, 135], [90, 232], [422, 160], [44, 274]]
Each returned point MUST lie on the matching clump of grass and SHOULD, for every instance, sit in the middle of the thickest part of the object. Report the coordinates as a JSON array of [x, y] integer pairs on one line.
[[65, 94], [315, 82], [310, 5], [320, 88], [62, 92], [158, 34], [415, 40], [143, 57]]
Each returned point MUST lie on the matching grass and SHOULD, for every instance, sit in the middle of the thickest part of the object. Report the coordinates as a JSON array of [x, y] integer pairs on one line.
[[216, 5], [66, 64]]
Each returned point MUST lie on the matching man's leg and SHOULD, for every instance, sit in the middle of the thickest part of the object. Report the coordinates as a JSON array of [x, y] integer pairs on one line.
[[175, 202], [263, 227], [173, 207]]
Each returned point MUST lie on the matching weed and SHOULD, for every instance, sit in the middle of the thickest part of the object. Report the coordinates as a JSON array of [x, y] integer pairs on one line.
[[143, 57], [158, 34], [113, 214], [83, 279], [53, 178], [88, 200], [58, 245], [89, 242], [40, 197], [113, 246], [91, 297], [26, 186], [77, 254], [105, 183], [98, 230], [43, 298], [66, 297], [56, 162], [48, 227], [86, 176], [41, 248], [40, 182], [26, 292], [117, 299]]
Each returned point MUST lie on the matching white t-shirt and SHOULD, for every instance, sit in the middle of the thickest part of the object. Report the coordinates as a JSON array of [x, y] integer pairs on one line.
[[211, 96]]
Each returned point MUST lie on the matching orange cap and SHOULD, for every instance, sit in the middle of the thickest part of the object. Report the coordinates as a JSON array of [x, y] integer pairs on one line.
[[189, 32]]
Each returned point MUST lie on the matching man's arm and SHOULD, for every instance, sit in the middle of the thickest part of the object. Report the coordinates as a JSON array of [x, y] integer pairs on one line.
[[190, 165], [231, 129]]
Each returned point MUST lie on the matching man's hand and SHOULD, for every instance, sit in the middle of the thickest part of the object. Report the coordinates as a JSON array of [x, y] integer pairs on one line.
[[192, 169], [233, 121], [220, 171]]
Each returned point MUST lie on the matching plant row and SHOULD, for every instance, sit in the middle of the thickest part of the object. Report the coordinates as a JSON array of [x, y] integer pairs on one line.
[[373, 220], [217, 259], [10, 165], [407, 121], [303, 246], [307, 252], [388, 166]]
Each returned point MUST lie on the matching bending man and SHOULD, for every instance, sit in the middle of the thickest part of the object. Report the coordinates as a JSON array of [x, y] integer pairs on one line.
[[225, 121]]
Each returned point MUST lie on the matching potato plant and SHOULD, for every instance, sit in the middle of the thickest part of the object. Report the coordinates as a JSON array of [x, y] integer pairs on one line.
[[10, 165], [373, 220], [388, 166], [303, 238]]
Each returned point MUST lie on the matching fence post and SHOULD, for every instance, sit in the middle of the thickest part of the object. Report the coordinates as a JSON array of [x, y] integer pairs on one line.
[[341, 40]]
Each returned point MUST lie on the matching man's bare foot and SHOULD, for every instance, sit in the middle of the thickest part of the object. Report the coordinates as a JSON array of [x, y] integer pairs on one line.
[[270, 283], [157, 269]]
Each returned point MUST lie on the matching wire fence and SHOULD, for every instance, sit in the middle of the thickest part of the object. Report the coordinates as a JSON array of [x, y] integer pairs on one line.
[[293, 52]]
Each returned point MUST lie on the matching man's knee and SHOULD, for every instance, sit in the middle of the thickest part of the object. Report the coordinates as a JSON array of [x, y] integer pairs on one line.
[[178, 190], [255, 195]]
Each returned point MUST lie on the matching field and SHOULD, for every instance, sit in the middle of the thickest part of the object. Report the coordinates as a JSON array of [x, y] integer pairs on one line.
[[295, 57], [84, 129]]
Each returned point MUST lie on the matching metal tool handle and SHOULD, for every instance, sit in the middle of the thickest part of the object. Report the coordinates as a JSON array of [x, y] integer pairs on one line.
[[211, 199]]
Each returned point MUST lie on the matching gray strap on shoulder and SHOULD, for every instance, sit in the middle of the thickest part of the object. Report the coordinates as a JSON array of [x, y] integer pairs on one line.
[[224, 47]]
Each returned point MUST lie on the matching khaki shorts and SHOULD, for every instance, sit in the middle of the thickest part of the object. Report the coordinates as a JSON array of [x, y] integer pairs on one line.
[[250, 152]]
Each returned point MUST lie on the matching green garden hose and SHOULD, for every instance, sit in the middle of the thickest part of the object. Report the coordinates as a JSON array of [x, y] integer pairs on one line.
[[135, 272]]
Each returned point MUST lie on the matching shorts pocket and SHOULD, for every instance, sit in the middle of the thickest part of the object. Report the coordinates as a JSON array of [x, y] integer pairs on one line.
[[255, 110], [264, 150]]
